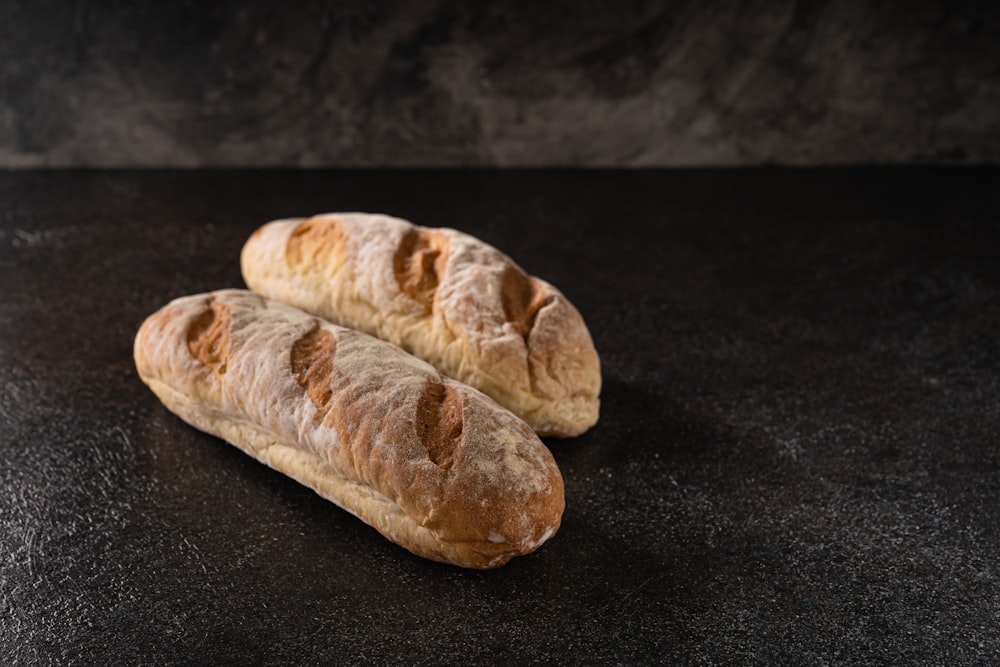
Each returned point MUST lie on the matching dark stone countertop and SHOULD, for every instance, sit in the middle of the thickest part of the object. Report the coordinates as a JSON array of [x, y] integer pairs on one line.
[[798, 459]]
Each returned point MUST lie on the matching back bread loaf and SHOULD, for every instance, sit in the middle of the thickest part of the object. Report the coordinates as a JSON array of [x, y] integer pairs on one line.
[[448, 298], [432, 464]]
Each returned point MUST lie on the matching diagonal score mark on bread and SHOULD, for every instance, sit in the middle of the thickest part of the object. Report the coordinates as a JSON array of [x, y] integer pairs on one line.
[[440, 423], [313, 242], [208, 336], [312, 361], [419, 263], [522, 300]]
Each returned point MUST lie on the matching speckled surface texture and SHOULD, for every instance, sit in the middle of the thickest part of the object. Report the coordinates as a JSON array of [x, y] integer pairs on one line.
[[798, 460], [430, 82]]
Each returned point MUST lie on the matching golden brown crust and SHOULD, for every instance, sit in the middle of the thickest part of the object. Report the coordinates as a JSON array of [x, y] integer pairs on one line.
[[448, 298], [432, 464]]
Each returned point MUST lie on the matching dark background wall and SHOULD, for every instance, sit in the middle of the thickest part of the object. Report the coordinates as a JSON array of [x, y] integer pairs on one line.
[[532, 83]]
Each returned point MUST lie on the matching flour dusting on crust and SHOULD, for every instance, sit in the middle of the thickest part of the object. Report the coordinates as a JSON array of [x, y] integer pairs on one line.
[[434, 465], [444, 296]]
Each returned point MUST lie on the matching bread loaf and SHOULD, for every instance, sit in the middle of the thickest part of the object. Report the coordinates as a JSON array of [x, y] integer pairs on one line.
[[444, 296], [433, 465]]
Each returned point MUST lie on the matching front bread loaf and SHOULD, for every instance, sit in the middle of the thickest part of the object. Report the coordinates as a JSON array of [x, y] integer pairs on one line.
[[444, 296], [433, 465]]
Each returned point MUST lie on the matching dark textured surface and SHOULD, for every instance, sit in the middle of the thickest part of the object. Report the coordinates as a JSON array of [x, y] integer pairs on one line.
[[798, 459], [612, 83]]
